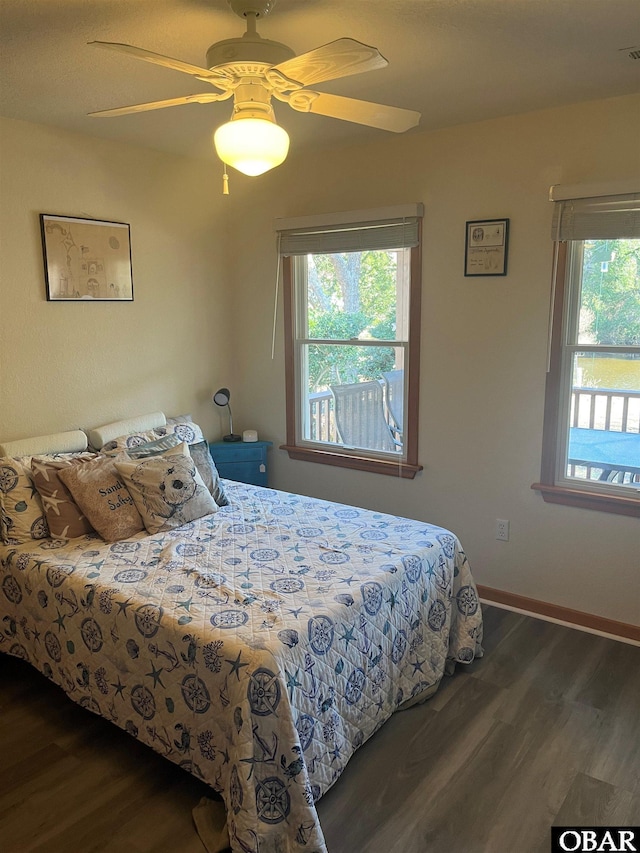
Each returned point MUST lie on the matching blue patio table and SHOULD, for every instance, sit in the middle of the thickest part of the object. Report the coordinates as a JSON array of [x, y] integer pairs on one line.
[[606, 449]]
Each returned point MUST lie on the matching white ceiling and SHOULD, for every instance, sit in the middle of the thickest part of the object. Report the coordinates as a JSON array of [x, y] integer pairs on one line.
[[456, 61]]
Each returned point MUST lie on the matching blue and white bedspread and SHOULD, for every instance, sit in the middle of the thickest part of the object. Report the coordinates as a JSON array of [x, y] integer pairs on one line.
[[258, 648]]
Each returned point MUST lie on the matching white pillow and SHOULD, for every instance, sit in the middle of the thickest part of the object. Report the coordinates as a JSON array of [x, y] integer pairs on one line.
[[99, 436], [58, 442]]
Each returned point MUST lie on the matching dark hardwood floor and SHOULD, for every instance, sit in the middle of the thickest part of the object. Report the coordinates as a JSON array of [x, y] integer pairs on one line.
[[544, 729]]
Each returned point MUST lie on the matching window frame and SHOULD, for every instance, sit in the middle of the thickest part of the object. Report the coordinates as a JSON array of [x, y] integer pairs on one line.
[[406, 467], [554, 488]]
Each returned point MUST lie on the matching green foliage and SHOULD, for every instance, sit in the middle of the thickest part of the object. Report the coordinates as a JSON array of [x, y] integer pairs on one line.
[[341, 365], [610, 303], [351, 296]]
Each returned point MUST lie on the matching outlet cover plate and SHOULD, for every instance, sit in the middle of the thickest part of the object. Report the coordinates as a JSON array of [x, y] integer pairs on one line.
[[502, 529]]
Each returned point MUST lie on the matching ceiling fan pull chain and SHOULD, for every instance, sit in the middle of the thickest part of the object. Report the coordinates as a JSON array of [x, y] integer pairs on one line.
[[225, 180]]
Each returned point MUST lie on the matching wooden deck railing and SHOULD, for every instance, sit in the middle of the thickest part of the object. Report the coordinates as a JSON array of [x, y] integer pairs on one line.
[[322, 424], [604, 408], [591, 408]]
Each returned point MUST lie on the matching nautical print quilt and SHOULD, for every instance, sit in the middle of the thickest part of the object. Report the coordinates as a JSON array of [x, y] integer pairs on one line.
[[258, 647]]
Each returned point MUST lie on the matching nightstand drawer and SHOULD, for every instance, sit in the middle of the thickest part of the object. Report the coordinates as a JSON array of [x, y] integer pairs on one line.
[[245, 462], [244, 472], [238, 451]]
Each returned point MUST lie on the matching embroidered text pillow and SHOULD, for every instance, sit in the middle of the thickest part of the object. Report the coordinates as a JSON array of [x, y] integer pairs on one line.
[[99, 490]]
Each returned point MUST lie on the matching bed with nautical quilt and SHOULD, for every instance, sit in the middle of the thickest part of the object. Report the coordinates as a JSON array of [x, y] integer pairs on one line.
[[257, 646]]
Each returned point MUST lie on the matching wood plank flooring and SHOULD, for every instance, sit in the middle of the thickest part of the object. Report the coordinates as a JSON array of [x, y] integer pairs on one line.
[[544, 729]]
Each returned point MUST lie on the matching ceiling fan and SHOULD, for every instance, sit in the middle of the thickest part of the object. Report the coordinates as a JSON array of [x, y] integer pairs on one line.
[[254, 70]]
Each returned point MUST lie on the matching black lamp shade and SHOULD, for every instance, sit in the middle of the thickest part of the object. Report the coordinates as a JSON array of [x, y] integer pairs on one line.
[[221, 398]]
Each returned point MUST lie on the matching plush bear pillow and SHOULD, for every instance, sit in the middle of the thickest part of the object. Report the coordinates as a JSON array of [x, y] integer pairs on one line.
[[177, 429], [99, 490], [167, 490], [201, 455], [64, 517], [199, 452], [22, 516]]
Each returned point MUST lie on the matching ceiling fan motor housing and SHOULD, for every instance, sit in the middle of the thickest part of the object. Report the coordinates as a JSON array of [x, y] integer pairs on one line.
[[247, 50]]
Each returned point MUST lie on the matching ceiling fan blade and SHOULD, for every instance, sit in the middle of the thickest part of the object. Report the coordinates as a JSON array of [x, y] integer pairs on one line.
[[159, 59], [394, 119], [204, 98], [339, 58]]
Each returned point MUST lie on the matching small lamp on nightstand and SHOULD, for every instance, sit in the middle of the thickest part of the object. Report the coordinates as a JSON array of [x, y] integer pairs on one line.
[[221, 398]]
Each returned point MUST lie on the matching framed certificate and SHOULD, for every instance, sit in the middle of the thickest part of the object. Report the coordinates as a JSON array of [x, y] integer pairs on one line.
[[486, 247]]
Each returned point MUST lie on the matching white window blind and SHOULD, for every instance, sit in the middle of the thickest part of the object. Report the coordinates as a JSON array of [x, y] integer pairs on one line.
[[390, 228], [607, 217]]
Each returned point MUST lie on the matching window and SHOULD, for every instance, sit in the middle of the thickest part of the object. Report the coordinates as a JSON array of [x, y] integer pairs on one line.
[[591, 443], [352, 327]]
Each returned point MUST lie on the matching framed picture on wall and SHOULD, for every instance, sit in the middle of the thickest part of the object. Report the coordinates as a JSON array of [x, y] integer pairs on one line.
[[486, 247], [86, 260]]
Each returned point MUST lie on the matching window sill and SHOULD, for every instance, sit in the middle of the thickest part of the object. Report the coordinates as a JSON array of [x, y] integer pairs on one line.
[[359, 463], [620, 505]]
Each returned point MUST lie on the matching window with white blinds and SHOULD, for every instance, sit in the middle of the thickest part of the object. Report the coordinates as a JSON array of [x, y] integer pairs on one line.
[[352, 299], [591, 444]]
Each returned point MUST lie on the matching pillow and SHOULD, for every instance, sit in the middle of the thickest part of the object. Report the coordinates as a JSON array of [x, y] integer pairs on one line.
[[22, 516], [153, 448], [131, 440], [64, 517], [187, 432], [99, 436], [199, 450], [201, 455], [180, 448], [167, 490], [99, 491], [184, 426], [181, 426], [59, 442]]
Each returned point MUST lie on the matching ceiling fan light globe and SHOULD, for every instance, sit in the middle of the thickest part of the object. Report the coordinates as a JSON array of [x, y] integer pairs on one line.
[[251, 145]]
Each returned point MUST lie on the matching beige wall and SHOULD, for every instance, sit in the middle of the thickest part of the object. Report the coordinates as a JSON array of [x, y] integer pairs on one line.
[[484, 341], [69, 365], [202, 318]]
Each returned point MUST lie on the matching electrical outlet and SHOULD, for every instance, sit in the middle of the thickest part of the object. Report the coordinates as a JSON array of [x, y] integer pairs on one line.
[[502, 529]]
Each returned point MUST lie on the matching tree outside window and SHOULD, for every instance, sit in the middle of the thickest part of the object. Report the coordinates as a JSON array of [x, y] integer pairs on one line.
[[352, 312]]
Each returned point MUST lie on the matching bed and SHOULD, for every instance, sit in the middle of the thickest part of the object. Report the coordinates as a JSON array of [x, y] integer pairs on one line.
[[257, 646]]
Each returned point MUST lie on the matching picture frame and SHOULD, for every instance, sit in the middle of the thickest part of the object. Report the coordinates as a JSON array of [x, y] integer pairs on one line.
[[486, 247], [86, 260]]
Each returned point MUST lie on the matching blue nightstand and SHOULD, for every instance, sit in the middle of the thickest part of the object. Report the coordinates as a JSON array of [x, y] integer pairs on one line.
[[245, 461]]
